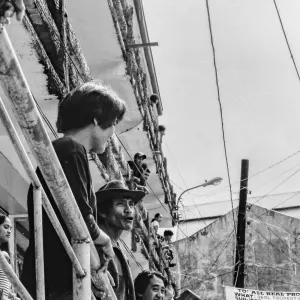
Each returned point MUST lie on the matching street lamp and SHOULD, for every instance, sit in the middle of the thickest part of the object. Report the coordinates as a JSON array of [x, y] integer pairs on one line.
[[214, 181]]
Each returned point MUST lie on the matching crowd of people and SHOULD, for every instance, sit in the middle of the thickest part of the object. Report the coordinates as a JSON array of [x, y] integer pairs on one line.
[[87, 117]]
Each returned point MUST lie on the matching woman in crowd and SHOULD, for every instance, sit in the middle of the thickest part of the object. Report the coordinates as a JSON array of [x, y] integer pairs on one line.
[[156, 221], [5, 232]]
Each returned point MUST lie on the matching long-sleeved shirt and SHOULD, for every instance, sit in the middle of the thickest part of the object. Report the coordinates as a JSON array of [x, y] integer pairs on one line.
[[58, 268], [138, 171]]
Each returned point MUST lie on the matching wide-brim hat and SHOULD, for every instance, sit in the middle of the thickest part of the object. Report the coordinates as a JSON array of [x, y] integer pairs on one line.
[[140, 154], [116, 189]]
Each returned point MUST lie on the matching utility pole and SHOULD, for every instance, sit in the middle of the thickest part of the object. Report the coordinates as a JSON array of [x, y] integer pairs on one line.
[[239, 269]]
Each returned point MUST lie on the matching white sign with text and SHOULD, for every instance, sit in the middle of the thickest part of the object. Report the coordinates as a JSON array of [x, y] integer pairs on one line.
[[232, 293]]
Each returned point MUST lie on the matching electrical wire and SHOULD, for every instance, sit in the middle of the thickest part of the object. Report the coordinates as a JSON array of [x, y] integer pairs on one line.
[[264, 213], [202, 280], [281, 183], [131, 254], [214, 277], [159, 199], [70, 58], [262, 197], [45, 118], [221, 109], [253, 175], [64, 46], [137, 124], [225, 242], [176, 166], [297, 193], [278, 176], [286, 39], [220, 253], [273, 280], [275, 246], [177, 185], [220, 202], [184, 182]]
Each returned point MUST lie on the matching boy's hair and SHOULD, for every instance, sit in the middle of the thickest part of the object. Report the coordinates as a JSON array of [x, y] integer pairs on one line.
[[92, 100], [142, 281], [168, 232]]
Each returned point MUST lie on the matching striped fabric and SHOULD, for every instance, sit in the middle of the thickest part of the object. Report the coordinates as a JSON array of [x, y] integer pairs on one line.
[[5, 285]]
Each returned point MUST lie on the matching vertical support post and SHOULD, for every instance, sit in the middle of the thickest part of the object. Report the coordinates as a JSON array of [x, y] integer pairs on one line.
[[39, 246], [239, 269], [64, 44], [82, 284], [12, 244], [149, 241]]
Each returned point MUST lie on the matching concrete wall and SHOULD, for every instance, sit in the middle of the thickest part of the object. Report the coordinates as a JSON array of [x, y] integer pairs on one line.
[[206, 259]]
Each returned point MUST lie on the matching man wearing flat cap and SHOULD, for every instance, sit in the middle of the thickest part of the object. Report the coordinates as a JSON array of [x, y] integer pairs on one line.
[[139, 168], [115, 214]]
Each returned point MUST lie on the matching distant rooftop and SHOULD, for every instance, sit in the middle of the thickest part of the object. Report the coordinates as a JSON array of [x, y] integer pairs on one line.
[[213, 210]]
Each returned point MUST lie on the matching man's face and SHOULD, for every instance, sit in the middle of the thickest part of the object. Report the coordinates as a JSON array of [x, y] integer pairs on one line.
[[138, 161], [155, 289], [168, 238], [169, 293], [99, 138], [121, 214]]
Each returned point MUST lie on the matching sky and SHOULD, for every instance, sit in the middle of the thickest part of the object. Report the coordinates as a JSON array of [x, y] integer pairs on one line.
[[259, 92]]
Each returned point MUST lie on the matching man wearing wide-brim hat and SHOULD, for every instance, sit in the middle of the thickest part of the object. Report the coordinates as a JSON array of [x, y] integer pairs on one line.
[[115, 204]]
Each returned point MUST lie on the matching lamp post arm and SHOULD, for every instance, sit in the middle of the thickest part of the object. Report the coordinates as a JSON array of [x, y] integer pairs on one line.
[[194, 187]]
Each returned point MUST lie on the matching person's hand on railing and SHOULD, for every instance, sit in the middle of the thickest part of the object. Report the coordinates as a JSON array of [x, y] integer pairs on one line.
[[10, 8], [142, 188], [106, 253], [12, 296]]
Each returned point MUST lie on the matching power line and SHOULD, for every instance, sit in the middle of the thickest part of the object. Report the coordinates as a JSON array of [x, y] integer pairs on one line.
[[159, 199], [131, 255], [177, 168], [221, 110], [286, 39], [273, 280], [66, 51], [265, 195], [281, 183], [297, 193], [253, 175], [280, 175], [45, 118], [207, 279], [279, 238], [216, 260], [128, 129], [177, 185], [258, 217], [65, 48], [155, 194], [225, 242], [184, 182]]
